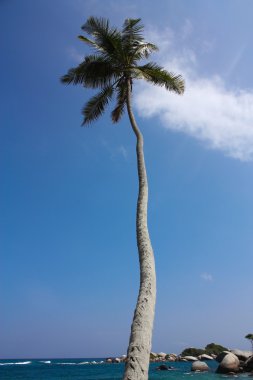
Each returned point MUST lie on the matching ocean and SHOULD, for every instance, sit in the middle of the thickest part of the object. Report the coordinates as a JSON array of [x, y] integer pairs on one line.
[[84, 369]]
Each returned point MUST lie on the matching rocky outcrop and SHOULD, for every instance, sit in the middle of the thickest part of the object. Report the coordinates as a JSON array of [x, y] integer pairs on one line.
[[230, 363], [199, 366], [120, 359], [242, 355]]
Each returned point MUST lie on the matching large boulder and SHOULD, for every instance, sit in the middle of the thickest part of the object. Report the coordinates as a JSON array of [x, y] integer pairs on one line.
[[199, 366], [123, 358], [205, 357], [161, 355], [248, 365], [170, 358], [230, 363], [162, 367], [242, 355], [190, 358], [221, 356]]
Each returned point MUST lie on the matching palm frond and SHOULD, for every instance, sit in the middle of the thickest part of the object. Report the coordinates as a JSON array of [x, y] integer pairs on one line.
[[88, 41], [132, 30], [117, 54], [143, 50], [93, 72], [106, 39], [95, 107], [157, 75], [95, 25], [121, 102]]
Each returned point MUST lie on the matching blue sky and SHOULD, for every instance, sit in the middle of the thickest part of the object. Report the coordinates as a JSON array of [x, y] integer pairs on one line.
[[69, 265]]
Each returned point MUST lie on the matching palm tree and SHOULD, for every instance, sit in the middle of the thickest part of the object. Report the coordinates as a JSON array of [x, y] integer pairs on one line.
[[250, 338], [116, 62]]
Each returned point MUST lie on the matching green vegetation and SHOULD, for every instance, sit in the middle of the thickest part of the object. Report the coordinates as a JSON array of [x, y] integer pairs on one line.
[[211, 348], [191, 351]]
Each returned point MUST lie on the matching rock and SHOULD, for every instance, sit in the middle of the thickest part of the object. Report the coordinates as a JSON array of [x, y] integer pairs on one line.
[[190, 358], [205, 357], [199, 366], [248, 365], [116, 360], [162, 367], [109, 360], [242, 355], [123, 358], [170, 358], [230, 363], [161, 354], [221, 356]]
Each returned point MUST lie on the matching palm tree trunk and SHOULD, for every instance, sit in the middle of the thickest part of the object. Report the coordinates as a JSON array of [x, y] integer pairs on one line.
[[137, 362]]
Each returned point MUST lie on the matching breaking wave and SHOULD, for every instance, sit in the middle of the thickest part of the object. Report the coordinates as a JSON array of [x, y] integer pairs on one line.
[[17, 363]]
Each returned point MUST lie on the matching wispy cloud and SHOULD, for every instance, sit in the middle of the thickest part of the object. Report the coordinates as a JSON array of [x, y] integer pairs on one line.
[[235, 61], [209, 111], [115, 151], [122, 150], [75, 55], [206, 277], [186, 29]]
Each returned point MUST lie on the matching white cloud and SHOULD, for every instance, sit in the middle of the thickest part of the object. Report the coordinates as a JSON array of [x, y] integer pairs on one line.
[[122, 150], [206, 277], [235, 61], [74, 54], [114, 151], [187, 29], [222, 118]]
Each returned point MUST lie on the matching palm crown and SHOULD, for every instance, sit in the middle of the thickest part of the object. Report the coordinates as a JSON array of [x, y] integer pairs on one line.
[[117, 59]]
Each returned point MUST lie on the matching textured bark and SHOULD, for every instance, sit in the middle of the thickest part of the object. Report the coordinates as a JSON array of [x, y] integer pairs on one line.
[[139, 348]]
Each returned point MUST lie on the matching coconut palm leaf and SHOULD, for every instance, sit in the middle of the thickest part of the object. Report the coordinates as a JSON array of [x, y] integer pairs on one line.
[[96, 105], [143, 50], [93, 72], [106, 39], [157, 75], [118, 111], [132, 30]]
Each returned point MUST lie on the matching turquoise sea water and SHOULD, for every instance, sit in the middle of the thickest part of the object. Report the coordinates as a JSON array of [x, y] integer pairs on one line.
[[77, 369]]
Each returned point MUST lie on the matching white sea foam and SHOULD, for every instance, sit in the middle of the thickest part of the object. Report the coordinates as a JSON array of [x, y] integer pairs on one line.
[[45, 361], [17, 363], [66, 363]]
